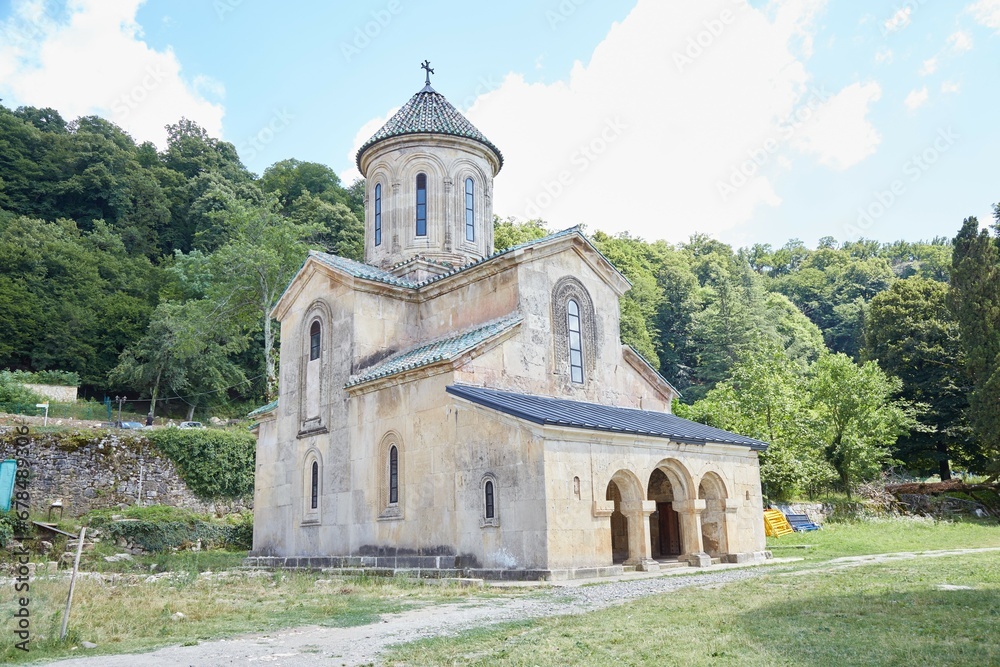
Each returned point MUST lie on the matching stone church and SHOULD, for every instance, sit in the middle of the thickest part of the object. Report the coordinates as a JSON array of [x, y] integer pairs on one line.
[[444, 406]]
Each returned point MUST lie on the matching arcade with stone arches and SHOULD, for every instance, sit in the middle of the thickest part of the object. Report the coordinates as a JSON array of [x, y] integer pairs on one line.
[[668, 514]]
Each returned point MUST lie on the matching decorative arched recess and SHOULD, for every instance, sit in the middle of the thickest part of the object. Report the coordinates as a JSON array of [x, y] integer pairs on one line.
[[312, 487], [565, 289], [314, 374], [391, 469], [489, 497]]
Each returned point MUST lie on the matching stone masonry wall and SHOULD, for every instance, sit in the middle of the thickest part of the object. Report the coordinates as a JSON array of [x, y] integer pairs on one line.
[[57, 393], [104, 472]]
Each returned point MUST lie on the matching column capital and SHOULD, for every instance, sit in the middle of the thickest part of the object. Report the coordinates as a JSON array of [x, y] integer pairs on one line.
[[688, 506]]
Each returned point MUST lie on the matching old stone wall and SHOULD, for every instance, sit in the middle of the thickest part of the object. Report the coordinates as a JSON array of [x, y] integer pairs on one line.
[[102, 471], [57, 393]]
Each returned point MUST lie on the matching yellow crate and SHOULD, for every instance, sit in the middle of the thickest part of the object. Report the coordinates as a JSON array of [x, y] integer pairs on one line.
[[775, 524]]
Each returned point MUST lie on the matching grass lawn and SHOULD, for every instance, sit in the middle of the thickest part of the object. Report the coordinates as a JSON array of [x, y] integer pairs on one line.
[[878, 536], [885, 614], [891, 613], [131, 613]]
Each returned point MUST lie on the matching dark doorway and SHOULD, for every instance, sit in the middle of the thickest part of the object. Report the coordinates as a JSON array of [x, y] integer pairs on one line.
[[664, 523], [670, 531]]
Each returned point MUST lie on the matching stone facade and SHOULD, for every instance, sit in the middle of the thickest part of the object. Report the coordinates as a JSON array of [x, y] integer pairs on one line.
[[107, 472], [369, 455]]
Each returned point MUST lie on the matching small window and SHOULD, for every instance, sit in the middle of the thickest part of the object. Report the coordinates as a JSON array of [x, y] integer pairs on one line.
[[314, 503], [314, 338], [421, 204], [393, 475], [378, 214], [490, 508], [575, 342], [470, 210]]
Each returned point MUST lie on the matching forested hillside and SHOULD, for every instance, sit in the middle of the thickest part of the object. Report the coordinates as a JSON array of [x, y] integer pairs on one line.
[[152, 273]]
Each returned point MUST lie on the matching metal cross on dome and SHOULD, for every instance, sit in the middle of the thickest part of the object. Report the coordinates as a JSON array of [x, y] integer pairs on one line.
[[427, 66]]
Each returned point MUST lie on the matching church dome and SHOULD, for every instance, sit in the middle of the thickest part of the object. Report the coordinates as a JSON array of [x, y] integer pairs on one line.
[[428, 112]]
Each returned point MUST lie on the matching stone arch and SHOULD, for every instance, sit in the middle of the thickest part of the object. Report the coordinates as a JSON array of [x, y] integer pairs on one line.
[[629, 537], [314, 385], [567, 288], [310, 514], [712, 490], [672, 527]]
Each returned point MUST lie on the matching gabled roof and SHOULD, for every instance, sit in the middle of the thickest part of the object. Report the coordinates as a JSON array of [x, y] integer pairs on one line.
[[594, 417], [431, 353], [428, 112], [375, 274]]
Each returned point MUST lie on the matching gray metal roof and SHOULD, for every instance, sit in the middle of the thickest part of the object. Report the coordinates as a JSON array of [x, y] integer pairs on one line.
[[428, 112], [594, 417]]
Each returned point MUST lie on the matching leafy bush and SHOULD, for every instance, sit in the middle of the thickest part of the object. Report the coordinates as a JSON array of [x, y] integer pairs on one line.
[[241, 534], [13, 390], [61, 378], [11, 525], [161, 528], [214, 463]]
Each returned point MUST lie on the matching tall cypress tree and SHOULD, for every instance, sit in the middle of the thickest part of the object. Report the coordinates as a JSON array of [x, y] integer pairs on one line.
[[975, 299]]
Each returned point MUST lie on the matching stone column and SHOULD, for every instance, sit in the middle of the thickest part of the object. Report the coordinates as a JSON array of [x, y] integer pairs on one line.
[[639, 547], [733, 542], [690, 523]]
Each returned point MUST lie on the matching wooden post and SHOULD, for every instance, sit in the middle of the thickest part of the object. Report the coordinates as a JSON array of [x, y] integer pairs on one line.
[[72, 582]]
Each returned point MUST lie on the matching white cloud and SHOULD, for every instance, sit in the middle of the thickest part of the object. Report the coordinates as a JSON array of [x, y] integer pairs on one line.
[[642, 136], [916, 99], [883, 55], [899, 20], [987, 13], [950, 87], [839, 133], [960, 41], [929, 67], [91, 59]]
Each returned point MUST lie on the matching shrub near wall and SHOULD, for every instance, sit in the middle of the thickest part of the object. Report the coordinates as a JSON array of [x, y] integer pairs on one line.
[[215, 464], [206, 471]]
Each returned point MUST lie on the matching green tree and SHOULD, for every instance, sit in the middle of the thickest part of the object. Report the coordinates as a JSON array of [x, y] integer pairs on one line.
[[911, 334], [509, 233], [764, 397], [974, 298], [857, 417], [253, 268]]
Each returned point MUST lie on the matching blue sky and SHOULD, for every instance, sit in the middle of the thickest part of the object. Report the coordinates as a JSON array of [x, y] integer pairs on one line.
[[750, 122]]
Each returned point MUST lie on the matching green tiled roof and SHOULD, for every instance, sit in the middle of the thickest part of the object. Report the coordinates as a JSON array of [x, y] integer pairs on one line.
[[440, 350], [360, 269], [428, 112], [369, 272], [264, 409]]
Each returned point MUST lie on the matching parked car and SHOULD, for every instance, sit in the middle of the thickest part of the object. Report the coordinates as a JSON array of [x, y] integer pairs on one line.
[[190, 425], [131, 425]]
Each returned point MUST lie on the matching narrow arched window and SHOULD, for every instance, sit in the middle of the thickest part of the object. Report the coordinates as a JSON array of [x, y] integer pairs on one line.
[[393, 475], [490, 507], [378, 214], [314, 503], [421, 204], [575, 342], [470, 210], [314, 344]]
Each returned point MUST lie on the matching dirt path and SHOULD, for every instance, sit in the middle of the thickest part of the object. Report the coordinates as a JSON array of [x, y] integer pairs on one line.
[[360, 645]]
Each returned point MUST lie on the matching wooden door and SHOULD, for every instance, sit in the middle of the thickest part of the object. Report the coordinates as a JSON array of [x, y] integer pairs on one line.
[[670, 530]]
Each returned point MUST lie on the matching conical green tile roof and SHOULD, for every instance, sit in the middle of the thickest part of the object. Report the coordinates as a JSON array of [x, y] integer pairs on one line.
[[428, 112]]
